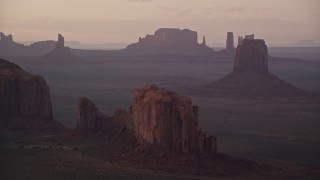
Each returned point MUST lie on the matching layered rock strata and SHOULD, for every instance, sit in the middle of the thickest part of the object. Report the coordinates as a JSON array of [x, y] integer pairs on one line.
[[164, 118], [157, 117]]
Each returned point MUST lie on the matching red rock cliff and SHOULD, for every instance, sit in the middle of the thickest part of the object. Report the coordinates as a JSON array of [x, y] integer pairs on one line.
[[164, 118], [23, 96]]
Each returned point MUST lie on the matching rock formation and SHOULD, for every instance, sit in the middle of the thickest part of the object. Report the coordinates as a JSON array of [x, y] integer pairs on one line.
[[89, 118], [252, 55], [166, 119], [167, 40], [8, 47], [60, 55], [250, 76], [24, 98], [7, 43], [204, 42], [6, 39], [158, 117], [240, 38], [60, 43], [230, 42]]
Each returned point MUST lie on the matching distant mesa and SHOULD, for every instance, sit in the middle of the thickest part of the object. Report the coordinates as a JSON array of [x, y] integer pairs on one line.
[[7, 43], [48, 52], [250, 76], [5, 40], [8, 47], [60, 54], [24, 99], [157, 117], [169, 40], [241, 38], [43, 46]]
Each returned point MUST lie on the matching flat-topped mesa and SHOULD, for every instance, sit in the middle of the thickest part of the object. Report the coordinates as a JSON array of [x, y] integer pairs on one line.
[[251, 55], [166, 119], [172, 37], [170, 40]]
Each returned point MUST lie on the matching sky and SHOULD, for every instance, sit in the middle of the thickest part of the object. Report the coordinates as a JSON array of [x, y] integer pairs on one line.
[[111, 21]]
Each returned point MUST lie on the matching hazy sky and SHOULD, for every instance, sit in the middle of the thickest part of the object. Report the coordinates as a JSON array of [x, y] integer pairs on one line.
[[106, 21]]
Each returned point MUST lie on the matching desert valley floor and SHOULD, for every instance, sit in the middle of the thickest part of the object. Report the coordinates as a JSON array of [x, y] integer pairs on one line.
[[283, 133]]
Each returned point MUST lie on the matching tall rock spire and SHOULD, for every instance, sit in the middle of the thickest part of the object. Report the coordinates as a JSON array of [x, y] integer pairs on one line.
[[60, 43], [230, 42], [204, 42]]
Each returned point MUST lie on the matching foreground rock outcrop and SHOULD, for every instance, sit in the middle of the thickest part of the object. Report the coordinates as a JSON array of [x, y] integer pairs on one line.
[[250, 76], [170, 40], [169, 120], [24, 98], [89, 117], [157, 117]]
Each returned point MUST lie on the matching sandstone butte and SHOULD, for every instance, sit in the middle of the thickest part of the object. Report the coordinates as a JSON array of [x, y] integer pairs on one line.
[[24, 98], [250, 76], [171, 40], [158, 116], [60, 54]]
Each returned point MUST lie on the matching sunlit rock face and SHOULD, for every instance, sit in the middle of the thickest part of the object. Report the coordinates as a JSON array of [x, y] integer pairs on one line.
[[250, 76], [161, 117], [24, 98]]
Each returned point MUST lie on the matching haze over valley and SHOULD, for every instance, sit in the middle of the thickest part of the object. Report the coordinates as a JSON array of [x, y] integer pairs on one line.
[[159, 89]]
